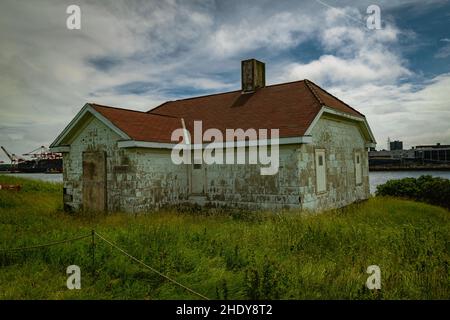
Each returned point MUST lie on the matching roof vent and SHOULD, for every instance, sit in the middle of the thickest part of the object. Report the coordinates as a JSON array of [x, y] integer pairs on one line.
[[253, 75]]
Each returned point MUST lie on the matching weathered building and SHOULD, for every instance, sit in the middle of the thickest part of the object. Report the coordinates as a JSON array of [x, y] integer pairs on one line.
[[120, 160]]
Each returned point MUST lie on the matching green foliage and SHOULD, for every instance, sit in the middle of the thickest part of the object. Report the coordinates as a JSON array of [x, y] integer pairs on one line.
[[225, 254], [433, 190]]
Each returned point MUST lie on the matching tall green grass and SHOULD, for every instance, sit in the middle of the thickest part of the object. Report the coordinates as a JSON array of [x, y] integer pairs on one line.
[[233, 255]]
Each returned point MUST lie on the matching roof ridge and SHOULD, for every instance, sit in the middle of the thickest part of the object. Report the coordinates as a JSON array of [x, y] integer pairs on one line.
[[197, 97], [158, 106], [162, 115], [117, 108], [314, 93], [337, 98], [283, 83], [130, 110], [220, 93]]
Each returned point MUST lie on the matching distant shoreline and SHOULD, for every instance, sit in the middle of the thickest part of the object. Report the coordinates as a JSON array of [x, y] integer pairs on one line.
[[409, 168], [18, 172]]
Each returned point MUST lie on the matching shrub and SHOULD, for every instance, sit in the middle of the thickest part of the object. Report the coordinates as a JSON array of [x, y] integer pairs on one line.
[[433, 190]]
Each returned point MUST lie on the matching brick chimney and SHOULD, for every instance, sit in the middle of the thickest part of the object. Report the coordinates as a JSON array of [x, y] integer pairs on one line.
[[253, 75]]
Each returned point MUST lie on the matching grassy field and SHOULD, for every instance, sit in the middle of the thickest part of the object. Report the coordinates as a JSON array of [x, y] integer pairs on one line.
[[290, 255]]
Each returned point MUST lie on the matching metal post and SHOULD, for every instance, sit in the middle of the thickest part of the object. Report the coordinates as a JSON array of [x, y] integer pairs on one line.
[[93, 252]]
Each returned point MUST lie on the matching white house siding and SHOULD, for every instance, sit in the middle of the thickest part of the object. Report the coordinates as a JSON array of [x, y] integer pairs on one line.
[[340, 140], [157, 181], [243, 185]]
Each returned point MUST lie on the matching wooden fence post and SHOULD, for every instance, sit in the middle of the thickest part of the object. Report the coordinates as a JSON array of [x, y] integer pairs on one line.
[[93, 252]]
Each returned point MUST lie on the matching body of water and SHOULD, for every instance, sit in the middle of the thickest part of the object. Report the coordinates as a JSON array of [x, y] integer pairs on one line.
[[375, 178]]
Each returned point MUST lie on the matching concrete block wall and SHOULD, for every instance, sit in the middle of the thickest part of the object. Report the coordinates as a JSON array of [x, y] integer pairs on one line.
[[340, 140], [159, 182], [242, 185]]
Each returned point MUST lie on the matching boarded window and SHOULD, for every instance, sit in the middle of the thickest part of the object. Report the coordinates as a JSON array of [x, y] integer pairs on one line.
[[321, 176], [358, 168], [198, 176], [320, 160]]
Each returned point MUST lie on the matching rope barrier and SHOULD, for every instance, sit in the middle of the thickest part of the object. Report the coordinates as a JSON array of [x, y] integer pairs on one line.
[[150, 268], [114, 246], [44, 245]]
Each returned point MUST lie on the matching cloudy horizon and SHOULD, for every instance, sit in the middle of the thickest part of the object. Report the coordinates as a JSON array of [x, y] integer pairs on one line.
[[139, 54]]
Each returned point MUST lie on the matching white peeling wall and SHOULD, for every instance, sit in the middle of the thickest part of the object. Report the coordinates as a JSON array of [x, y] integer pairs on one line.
[[242, 185], [340, 140], [158, 182]]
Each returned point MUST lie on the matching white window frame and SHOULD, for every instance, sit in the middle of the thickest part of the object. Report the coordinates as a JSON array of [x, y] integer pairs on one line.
[[358, 167], [317, 153]]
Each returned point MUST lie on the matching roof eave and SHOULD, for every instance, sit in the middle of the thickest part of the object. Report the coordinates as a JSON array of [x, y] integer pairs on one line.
[[235, 144], [329, 110], [87, 108]]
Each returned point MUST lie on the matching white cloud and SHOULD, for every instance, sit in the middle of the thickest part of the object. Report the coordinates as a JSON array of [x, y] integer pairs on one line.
[[330, 69], [413, 113], [356, 55], [280, 31], [443, 52]]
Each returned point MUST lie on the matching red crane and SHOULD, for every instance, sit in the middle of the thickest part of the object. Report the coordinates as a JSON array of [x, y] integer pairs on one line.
[[43, 153]]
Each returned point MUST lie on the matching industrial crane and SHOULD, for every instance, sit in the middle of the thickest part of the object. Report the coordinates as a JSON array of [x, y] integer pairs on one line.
[[14, 159], [38, 160], [42, 153]]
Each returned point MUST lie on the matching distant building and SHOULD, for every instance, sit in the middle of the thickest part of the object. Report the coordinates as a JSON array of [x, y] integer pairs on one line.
[[433, 153], [424, 155], [395, 145]]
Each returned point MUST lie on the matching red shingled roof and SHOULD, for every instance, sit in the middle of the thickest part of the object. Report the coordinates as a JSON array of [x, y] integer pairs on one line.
[[140, 126], [289, 107], [326, 98]]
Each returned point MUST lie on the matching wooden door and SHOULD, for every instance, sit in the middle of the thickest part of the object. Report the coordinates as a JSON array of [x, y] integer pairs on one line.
[[94, 181]]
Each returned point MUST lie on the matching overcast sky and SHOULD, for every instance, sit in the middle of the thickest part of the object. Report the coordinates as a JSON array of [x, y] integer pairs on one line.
[[137, 54]]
